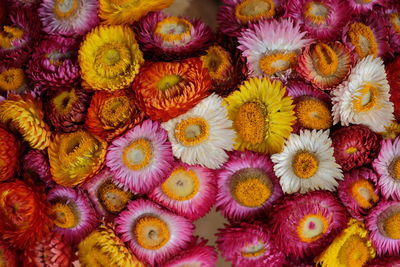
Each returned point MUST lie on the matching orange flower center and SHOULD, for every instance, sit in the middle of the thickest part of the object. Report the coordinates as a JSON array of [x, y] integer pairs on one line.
[[312, 227], [354, 252], [251, 122], [138, 154], [316, 12], [312, 113], [363, 39], [254, 250], [217, 61], [325, 59], [182, 184], [392, 226], [277, 62], [305, 164], [64, 9], [112, 198], [64, 215], [394, 169], [174, 30], [395, 22], [115, 112], [151, 232], [9, 35], [363, 192], [192, 131], [252, 10], [11, 79], [367, 98], [64, 101]]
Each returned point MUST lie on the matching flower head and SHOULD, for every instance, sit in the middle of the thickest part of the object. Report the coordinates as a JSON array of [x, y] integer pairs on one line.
[[66, 108], [169, 38], [69, 18], [203, 134], [351, 247], [110, 114], [393, 77], [392, 15], [23, 114], [303, 225], [103, 247], [307, 163], [364, 97], [153, 234], [247, 186], [365, 6], [247, 245], [12, 80], [54, 62], [169, 89], [75, 157], [387, 165], [23, 214], [72, 214], [35, 167], [141, 158], [9, 153], [189, 191], [325, 65], [109, 58], [271, 47], [359, 192], [262, 115], [129, 11], [107, 198]]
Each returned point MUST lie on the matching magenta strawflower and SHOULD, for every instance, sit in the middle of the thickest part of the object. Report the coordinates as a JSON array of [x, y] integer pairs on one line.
[[358, 191], [199, 254], [383, 224], [69, 18], [188, 191], [18, 38], [322, 20], [107, 198], [304, 224], [169, 38], [35, 166], [235, 15], [72, 214], [387, 165], [249, 245], [66, 108], [355, 146], [141, 158], [365, 6], [374, 32], [54, 62], [392, 16], [152, 233], [247, 186]]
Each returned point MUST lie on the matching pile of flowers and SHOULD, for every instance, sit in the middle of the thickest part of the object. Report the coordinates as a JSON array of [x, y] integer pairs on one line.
[[121, 125]]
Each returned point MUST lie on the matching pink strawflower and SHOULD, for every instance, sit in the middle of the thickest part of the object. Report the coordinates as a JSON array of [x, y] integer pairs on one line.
[[247, 186], [54, 62], [141, 158], [383, 226], [387, 165], [249, 245], [358, 191], [199, 254], [304, 224], [355, 146], [72, 18], [35, 166], [322, 20], [72, 213], [152, 233], [169, 38], [189, 191], [365, 6]]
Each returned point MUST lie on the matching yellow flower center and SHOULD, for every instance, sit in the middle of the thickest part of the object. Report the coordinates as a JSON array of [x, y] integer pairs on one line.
[[312, 113], [9, 35], [312, 227], [354, 252], [174, 30], [305, 164], [112, 198], [138, 154], [192, 131], [316, 12], [251, 122], [183, 184], [251, 10], [11, 79], [351, 150], [363, 39], [64, 215], [277, 62], [151, 232], [253, 250], [363, 192], [64, 101], [76, 145], [364, 1], [65, 8], [391, 131], [394, 169], [217, 61], [115, 111], [395, 21], [367, 97], [168, 82], [251, 187], [112, 59], [392, 226], [325, 60]]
